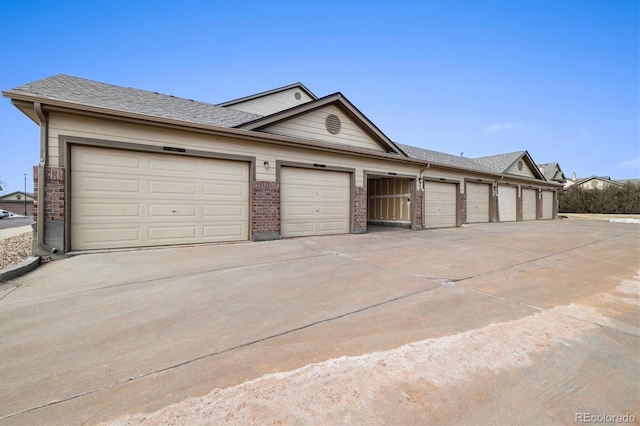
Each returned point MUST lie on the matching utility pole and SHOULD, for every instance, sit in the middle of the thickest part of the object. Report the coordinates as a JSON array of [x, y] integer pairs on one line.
[[25, 194]]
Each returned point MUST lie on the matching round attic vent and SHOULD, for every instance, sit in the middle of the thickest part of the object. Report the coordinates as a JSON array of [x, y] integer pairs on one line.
[[520, 165], [333, 124], [298, 96]]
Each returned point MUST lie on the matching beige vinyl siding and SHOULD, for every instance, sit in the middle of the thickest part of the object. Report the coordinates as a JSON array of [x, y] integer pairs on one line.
[[507, 202], [478, 202], [440, 204], [125, 198], [529, 203], [314, 202], [547, 205], [312, 126], [64, 124], [525, 172], [275, 102]]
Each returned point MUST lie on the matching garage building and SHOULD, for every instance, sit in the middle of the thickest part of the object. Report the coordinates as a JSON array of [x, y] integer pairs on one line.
[[123, 167]]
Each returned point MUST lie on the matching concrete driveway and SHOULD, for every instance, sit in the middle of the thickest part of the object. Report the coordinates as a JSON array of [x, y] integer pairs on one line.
[[97, 336]]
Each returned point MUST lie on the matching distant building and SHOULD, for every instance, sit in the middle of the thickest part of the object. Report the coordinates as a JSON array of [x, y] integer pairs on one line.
[[592, 182], [552, 172], [16, 202]]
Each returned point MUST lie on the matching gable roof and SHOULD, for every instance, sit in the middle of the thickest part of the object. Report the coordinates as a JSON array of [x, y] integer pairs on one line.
[[442, 158], [12, 194], [501, 163], [67, 90], [552, 171], [340, 101], [298, 86], [606, 179]]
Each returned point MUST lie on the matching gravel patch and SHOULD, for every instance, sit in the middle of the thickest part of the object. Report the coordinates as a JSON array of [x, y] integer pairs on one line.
[[15, 249]]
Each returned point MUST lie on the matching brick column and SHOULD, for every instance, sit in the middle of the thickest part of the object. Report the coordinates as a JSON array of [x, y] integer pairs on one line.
[[463, 208], [419, 205], [53, 199], [266, 211], [360, 211]]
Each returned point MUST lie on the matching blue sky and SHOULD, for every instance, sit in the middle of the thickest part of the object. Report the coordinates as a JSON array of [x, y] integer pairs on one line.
[[557, 78]]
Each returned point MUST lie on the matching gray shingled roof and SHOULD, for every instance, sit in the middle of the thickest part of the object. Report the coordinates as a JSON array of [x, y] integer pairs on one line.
[[442, 158], [501, 162], [80, 91], [548, 170]]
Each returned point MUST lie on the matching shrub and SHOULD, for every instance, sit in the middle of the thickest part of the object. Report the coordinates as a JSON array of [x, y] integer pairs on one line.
[[612, 199]]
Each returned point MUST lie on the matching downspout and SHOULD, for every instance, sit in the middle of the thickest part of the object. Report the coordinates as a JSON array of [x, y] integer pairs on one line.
[[44, 133], [421, 180], [422, 176]]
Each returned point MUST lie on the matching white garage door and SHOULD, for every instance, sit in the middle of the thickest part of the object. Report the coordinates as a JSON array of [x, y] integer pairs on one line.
[[440, 200], [529, 198], [507, 203], [132, 199], [547, 205], [314, 202], [477, 202]]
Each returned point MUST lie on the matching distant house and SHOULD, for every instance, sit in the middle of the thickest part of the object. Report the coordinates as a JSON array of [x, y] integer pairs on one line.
[[592, 182], [17, 202], [552, 172]]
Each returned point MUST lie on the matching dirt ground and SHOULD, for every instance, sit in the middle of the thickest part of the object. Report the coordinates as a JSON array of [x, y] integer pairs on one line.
[[536, 323]]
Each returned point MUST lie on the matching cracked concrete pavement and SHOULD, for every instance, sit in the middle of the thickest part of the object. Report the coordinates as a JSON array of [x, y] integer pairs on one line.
[[274, 331]]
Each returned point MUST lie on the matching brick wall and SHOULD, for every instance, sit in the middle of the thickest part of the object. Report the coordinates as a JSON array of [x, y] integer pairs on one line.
[[419, 206], [463, 208], [53, 193], [360, 211], [266, 210], [17, 207]]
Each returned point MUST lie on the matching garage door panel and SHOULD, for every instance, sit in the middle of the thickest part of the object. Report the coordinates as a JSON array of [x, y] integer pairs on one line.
[[328, 227], [166, 188], [221, 212], [529, 198], [314, 202], [335, 179], [112, 162], [477, 202], [224, 232], [166, 234], [163, 211], [507, 203], [224, 191], [88, 185], [300, 229], [300, 211], [336, 211], [101, 211], [333, 195], [440, 204], [174, 167], [226, 170], [130, 236], [547, 205], [131, 210]]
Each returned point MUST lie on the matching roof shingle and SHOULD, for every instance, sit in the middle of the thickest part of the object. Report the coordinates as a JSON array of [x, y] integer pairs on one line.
[[80, 91], [442, 158]]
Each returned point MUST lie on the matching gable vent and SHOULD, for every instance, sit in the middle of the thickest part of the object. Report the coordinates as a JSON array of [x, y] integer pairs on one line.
[[333, 124]]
